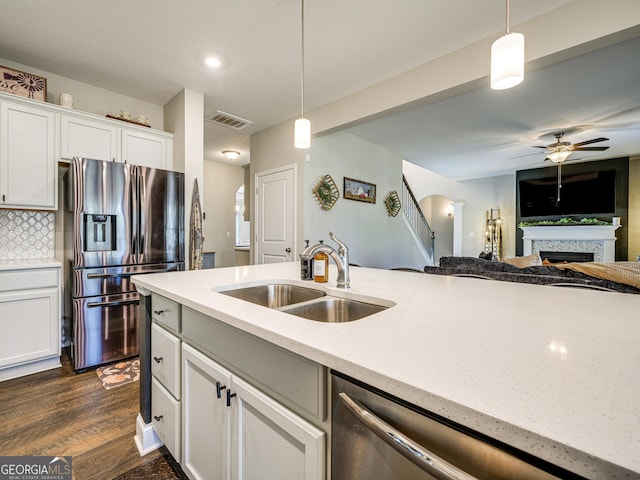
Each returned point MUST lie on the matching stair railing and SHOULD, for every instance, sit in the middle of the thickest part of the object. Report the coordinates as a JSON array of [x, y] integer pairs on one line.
[[417, 221]]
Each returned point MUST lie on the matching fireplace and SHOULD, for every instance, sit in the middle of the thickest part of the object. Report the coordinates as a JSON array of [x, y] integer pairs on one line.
[[599, 240], [571, 257]]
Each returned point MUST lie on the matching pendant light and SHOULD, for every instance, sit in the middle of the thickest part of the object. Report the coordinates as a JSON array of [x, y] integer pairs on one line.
[[302, 133], [507, 58]]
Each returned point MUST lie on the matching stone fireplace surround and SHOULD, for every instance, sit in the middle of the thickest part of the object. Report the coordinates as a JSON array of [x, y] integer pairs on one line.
[[597, 239]]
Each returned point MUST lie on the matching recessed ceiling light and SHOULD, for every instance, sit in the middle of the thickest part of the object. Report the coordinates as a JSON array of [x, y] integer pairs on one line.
[[213, 62]]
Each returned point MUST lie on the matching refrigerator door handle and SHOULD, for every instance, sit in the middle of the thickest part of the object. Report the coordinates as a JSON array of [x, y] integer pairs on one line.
[[142, 218], [92, 276], [133, 213], [112, 304]]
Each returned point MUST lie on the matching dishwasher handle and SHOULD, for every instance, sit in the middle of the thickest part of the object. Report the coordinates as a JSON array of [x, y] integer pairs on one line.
[[423, 458]]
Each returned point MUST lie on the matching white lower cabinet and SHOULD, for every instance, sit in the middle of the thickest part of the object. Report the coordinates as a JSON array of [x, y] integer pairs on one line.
[[231, 430], [29, 321], [270, 441], [166, 417], [205, 431]]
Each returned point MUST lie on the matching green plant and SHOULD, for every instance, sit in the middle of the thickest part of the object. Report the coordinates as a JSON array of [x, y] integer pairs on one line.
[[565, 221]]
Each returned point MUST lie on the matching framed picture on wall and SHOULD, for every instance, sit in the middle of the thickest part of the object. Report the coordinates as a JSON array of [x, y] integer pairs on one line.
[[359, 190], [23, 84]]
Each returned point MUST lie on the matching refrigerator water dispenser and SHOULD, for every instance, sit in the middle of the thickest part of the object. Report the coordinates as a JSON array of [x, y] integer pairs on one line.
[[99, 233]]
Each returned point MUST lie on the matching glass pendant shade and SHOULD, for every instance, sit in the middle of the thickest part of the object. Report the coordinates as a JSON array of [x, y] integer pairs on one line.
[[559, 157], [302, 135], [507, 61]]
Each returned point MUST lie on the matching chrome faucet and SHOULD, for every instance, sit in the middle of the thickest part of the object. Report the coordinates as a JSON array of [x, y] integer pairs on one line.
[[340, 257]]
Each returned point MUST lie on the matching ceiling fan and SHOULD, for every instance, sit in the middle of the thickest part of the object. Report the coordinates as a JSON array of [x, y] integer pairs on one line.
[[559, 151]]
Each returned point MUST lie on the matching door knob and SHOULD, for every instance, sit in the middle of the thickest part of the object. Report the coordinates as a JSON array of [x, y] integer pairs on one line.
[[288, 249]]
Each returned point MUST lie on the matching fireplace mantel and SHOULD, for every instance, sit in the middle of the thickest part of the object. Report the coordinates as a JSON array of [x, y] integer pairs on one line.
[[598, 239]]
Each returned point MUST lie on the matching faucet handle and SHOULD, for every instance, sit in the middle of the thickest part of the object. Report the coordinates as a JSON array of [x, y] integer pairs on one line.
[[342, 246]]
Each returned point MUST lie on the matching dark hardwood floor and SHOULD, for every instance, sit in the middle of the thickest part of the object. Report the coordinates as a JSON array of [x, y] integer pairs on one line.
[[59, 412]]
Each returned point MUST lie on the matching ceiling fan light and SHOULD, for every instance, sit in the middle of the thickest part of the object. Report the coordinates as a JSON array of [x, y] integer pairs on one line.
[[559, 157], [302, 134], [507, 61]]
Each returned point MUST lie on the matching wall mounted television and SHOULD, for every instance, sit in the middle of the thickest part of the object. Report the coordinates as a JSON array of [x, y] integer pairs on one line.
[[586, 193]]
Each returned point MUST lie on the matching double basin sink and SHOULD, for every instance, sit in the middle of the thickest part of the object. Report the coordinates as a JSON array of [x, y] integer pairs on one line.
[[305, 302]]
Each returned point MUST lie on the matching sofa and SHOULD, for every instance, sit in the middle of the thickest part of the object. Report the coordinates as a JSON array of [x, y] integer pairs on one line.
[[536, 274]]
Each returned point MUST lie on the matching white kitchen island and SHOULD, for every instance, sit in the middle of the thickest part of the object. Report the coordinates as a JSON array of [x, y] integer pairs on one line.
[[553, 371]]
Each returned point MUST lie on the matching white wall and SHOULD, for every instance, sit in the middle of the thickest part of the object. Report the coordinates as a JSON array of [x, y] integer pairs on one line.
[[374, 238], [88, 98], [221, 181], [436, 210], [184, 116]]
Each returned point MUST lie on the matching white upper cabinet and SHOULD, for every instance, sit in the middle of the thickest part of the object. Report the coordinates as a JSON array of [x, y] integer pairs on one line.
[[28, 176], [146, 149], [88, 139], [107, 140]]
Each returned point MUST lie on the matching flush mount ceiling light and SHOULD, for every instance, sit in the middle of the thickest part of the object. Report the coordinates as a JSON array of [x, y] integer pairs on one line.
[[302, 131], [231, 154], [507, 58]]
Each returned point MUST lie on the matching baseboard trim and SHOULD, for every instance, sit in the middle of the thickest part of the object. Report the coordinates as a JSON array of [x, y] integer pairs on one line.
[[146, 439]]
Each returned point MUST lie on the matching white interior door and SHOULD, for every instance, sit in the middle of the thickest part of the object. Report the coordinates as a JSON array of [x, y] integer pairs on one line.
[[275, 215]]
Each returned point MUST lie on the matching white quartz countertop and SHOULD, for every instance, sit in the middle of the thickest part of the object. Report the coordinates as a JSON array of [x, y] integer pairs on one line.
[[27, 264], [554, 371]]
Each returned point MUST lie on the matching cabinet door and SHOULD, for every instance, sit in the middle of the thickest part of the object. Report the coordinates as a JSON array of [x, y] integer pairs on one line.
[[165, 417], [139, 148], [270, 441], [30, 326], [205, 417], [165, 359], [88, 139], [28, 177]]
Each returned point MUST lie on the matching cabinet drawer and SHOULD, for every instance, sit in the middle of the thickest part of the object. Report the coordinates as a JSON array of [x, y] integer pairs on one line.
[[283, 375], [165, 359], [166, 312], [165, 418], [28, 279]]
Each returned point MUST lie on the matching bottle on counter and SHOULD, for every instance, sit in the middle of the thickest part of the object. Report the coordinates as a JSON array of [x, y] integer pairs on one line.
[[321, 267], [306, 265]]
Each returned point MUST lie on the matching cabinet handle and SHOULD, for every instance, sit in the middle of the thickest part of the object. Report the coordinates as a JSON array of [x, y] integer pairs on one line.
[[219, 388], [229, 397], [158, 312], [158, 359], [157, 418]]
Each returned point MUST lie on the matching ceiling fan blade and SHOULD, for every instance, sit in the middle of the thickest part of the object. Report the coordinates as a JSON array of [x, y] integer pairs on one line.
[[539, 146], [589, 149], [587, 142]]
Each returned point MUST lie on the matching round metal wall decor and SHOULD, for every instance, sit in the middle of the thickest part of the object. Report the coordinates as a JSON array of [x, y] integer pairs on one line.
[[326, 192], [392, 203]]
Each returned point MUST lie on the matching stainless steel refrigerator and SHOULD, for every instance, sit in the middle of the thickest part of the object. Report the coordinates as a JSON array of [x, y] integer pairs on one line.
[[127, 220]]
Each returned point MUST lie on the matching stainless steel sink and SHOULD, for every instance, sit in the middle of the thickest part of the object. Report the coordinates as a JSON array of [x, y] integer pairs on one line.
[[275, 295], [334, 310]]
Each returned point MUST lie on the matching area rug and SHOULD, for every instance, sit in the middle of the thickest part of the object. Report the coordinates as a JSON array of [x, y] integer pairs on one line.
[[120, 373], [161, 468]]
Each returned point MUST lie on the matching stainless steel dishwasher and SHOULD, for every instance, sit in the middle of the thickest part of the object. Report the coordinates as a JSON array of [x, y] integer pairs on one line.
[[376, 436]]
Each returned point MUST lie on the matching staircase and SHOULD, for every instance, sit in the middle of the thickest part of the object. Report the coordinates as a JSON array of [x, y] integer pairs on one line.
[[418, 225]]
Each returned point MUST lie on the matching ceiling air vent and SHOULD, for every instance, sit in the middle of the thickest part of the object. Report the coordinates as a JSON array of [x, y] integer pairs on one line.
[[228, 120]]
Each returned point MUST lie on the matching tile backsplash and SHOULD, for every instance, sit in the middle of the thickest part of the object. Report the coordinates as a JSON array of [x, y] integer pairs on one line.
[[26, 235]]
